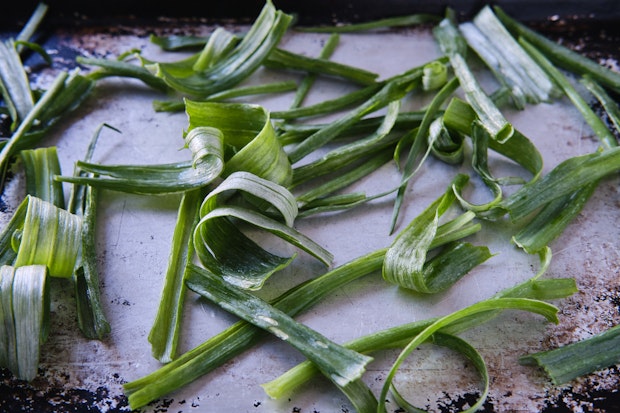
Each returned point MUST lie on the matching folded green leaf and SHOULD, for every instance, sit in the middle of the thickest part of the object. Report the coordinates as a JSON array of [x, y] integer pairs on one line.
[[24, 318], [223, 248], [47, 236], [535, 306], [248, 132], [195, 78], [207, 164], [406, 259]]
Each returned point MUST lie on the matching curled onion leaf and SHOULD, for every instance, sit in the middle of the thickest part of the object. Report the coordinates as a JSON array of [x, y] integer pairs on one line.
[[46, 235], [225, 250]]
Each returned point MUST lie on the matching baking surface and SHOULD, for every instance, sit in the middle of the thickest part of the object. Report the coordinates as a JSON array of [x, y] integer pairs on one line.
[[134, 235]]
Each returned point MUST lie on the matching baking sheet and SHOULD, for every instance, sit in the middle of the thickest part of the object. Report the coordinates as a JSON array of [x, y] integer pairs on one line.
[[135, 233]]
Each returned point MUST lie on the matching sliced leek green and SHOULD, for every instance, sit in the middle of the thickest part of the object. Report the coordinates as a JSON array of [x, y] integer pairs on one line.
[[579, 358], [41, 166], [338, 364], [399, 336], [207, 164], [248, 130], [25, 308], [48, 236], [406, 260], [454, 46], [166, 329], [223, 248]]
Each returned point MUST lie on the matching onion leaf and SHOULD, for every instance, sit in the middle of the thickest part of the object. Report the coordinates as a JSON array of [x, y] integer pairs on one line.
[[338, 364]]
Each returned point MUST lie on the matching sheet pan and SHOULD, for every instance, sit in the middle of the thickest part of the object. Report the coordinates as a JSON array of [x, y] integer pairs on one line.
[[79, 375]]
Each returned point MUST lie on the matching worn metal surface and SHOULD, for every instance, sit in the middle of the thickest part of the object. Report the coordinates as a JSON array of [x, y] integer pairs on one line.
[[78, 375]]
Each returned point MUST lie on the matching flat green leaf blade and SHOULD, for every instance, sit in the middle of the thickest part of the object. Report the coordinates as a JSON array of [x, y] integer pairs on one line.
[[566, 363], [338, 364], [31, 312]]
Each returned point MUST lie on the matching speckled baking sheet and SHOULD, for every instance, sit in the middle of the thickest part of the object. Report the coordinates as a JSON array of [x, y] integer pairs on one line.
[[134, 234]]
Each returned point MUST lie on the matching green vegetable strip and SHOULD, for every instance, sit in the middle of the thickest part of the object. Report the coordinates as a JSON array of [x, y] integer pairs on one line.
[[41, 165], [405, 261], [464, 348], [337, 363], [343, 180], [275, 87], [598, 126], [83, 202], [460, 117], [393, 90], [175, 42], [420, 139], [399, 21], [610, 106], [114, 68], [560, 55], [481, 139], [446, 146], [551, 221], [14, 83], [221, 42], [346, 154], [25, 307], [399, 336], [583, 357], [247, 56], [283, 59], [539, 307], [328, 106], [164, 334], [50, 236], [564, 179], [33, 23], [523, 71], [308, 80], [91, 316], [235, 257], [8, 346], [249, 131], [292, 133], [241, 336], [454, 46], [227, 252], [207, 164]]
